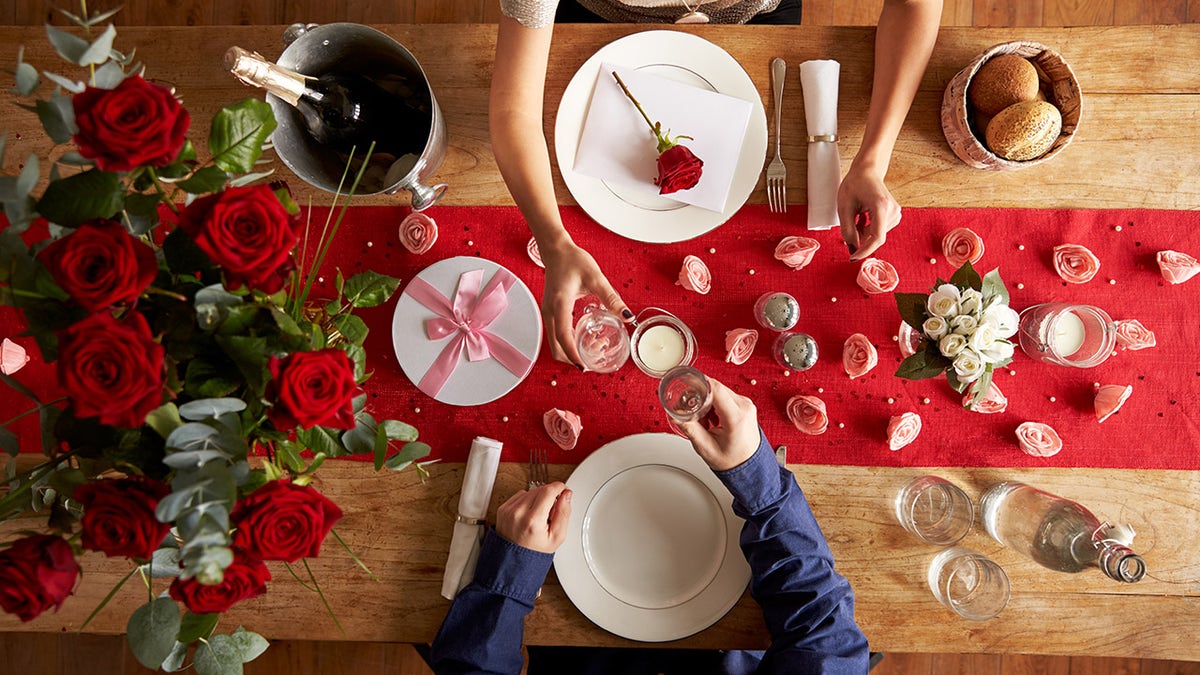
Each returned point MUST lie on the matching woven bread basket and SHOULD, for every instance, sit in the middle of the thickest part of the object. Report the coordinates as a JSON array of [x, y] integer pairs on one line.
[[1058, 83]]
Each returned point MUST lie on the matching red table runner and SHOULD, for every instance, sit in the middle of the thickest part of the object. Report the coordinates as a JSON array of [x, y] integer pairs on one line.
[[1157, 428]]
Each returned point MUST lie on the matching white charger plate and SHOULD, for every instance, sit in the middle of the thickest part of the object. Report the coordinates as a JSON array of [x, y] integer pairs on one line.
[[644, 216], [471, 383], [652, 550]]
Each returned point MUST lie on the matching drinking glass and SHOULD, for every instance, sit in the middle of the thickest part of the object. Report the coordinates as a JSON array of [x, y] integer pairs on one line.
[[969, 583], [601, 339], [685, 394], [1079, 336], [937, 511]]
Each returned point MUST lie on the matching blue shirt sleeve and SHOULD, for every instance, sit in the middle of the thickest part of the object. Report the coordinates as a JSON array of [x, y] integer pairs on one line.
[[807, 605], [483, 631]]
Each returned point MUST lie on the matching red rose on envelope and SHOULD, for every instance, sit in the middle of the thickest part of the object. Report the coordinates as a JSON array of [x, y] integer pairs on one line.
[[678, 167]]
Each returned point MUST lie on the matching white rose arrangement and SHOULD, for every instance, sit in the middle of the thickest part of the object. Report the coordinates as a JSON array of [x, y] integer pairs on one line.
[[965, 325]]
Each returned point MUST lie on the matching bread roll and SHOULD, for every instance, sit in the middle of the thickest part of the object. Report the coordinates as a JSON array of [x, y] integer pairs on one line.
[[1001, 82], [1024, 131]]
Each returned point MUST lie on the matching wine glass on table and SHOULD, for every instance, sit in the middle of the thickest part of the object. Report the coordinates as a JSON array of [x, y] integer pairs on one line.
[[685, 394]]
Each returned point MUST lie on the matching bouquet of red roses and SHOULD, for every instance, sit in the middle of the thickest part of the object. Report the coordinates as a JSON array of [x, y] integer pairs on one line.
[[165, 289]]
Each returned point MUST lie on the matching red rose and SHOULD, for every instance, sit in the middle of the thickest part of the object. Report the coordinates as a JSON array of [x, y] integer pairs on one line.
[[111, 369], [36, 573], [245, 578], [118, 516], [100, 265], [135, 124], [678, 169], [283, 521], [248, 232], [311, 389]]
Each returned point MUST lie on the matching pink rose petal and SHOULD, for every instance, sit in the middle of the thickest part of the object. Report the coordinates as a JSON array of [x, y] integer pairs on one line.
[[563, 427], [12, 357], [902, 430], [1177, 267], [739, 345], [1132, 335], [418, 232], [859, 356], [808, 414], [993, 401], [961, 245], [1110, 398], [534, 254], [877, 276], [796, 252], [695, 276], [1075, 263], [1038, 440]]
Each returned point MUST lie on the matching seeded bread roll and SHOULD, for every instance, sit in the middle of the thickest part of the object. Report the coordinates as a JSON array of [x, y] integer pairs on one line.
[[1024, 131], [1001, 82]]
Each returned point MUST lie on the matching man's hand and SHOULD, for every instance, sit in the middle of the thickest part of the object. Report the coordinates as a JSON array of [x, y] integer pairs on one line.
[[536, 519], [736, 436]]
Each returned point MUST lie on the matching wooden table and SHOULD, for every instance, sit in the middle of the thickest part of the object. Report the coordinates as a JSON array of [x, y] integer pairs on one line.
[[1138, 145]]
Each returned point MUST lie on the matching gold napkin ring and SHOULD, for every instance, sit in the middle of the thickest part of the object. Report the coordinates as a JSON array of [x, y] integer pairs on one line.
[[468, 520], [823, 138]]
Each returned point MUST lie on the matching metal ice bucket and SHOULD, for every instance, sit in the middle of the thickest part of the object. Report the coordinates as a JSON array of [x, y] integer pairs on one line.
[[315, 50]]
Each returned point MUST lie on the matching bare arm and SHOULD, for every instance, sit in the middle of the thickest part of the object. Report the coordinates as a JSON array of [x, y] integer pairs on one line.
[[515, 117], [903, 42]]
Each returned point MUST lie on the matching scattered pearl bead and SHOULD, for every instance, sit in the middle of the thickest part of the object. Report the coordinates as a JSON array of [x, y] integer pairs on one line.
[[753, 382], [1095, 385], [370, 244], [1020, 286], [320, 280], [1114, 353], [820, 390], [925, 400], [1012, 372], [416, 410], [1020, 247], [833, 299], [787, 373], [751, 272], [841, 425], [712, 250], [891, 400], [1053, 399], [553, 383], [933, 261], [1112, 282], [504, 419], [1117, 228], [470, 242]]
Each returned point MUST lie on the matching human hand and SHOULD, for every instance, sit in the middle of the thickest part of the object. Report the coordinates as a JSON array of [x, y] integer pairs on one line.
[[572, 273], [734, 439], [536, 519], [867, 211]]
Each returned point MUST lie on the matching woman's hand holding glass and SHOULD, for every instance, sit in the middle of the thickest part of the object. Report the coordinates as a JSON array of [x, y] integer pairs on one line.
[[572, 273]]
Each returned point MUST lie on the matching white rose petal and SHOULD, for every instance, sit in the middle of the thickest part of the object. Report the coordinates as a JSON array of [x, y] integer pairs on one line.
[[971, 302], [935, 327], [983, 337], [998, 351], [968, 365], [951, 345], [963, 324], [1005, 318], [943, 302]]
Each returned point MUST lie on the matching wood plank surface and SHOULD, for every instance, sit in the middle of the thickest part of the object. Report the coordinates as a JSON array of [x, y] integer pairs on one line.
[[1138, 143], [401, 529]]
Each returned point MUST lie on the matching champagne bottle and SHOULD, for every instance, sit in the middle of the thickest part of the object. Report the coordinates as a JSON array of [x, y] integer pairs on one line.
[[1056, 532], [340, 110]]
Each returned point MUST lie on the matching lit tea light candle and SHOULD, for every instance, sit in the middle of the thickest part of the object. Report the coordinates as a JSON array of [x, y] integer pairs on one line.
[[1067, 334], [661, 348]]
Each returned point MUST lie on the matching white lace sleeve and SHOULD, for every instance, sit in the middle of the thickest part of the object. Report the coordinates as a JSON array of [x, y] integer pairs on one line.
[[530, 13]]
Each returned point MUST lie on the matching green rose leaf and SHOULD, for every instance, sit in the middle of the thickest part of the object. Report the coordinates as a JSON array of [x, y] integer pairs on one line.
[[196, 626], [967, 277], [912, 308], [410, 453], [352, 328], [218, 655], [322, 440], [955, 383], [238, 133], [48, 417], [210, 380], [922, 365], [993, 286], [152, 629], [369, 289], [358, 356], [187, 153], [182, 254], [249, 354], [208, 179], [82, 197]]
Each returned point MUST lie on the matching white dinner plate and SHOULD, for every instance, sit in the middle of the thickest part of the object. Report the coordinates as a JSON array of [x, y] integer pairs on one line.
[[471, 383], [643, 216], [652, 551]]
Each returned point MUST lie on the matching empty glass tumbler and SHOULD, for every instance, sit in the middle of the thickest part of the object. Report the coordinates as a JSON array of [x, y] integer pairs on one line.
[[937, 511], [969, 583]]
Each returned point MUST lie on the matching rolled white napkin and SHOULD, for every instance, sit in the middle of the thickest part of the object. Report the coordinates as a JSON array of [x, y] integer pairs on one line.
[[472, 503], [819, 80]]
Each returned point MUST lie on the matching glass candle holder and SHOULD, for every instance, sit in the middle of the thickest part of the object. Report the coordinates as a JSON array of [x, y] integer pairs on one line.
[[685, 394], [661, 342], [1079, 336], [795, 351], [601, 339], [777, 311]]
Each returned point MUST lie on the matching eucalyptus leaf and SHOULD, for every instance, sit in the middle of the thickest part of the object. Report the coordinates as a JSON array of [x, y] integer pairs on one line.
[[172, 505], [103, 16], [82, 197], [9, 442], [108, 76], [73, 86], [164, 564], [66, 480], [69, 47], [249, 178], [196, 626], [27, 79], [76, 159], [358, 403], [3, 145], [174, 661], [218, 655], [369, 289], [407, 455], [209, 408], [100, 48], [28, 177], [361, 439], [194, 458], [58, 117], [398, 431], [238, 133], [152, 629], [250, 645], [208, 179], [192, 436], [993, 286], [19, 212]]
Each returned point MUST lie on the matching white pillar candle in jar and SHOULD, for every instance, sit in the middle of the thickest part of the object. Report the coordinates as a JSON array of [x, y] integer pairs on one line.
[[661, 348], [1067, 334]]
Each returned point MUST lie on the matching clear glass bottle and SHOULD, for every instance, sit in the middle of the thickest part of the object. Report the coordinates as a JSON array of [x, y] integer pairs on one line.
[[1056, 532]]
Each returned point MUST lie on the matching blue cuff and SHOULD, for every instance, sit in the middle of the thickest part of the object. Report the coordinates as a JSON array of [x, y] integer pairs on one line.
[[510, 570], [757, 482]]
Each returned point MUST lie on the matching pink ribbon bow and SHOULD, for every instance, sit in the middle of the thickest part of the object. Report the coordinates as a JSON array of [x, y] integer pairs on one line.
[[465, 321]]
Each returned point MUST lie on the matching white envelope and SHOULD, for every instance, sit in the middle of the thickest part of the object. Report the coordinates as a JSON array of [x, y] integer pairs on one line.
[[617, 146]]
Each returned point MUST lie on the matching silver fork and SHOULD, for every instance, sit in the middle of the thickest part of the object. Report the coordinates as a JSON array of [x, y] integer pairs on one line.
[[539, 470], [776, 173]]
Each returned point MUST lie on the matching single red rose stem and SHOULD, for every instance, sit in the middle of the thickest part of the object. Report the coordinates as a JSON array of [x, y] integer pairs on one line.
[[664, 142]]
